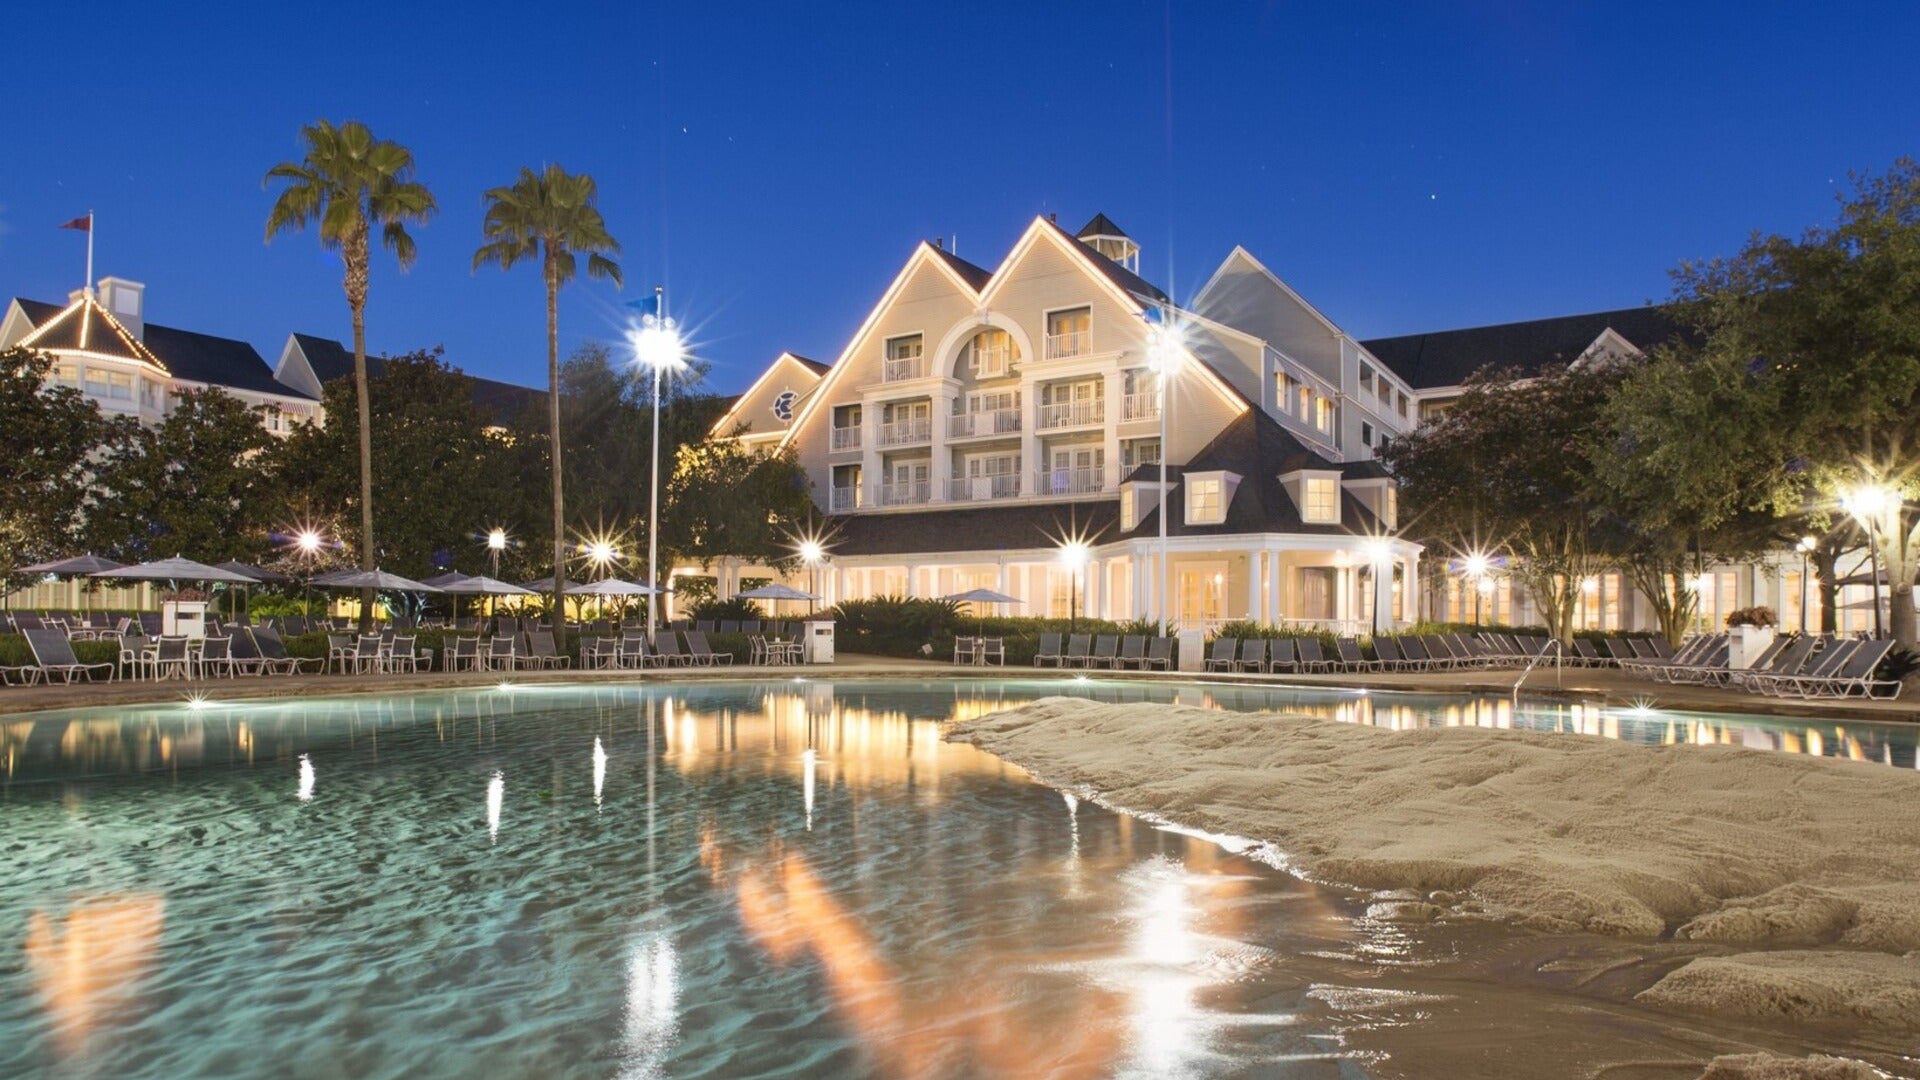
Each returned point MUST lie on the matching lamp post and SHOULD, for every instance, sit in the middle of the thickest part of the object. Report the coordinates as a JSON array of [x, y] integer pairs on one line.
[[1866, 503], [1804, 547], [1073, 554], [1164, 349], [811, 552], [1476, 568], [309, 543], [657, 344], [1376, 554]]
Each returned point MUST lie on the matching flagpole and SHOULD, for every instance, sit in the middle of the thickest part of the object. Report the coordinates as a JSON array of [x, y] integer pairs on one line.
[[87, 285]]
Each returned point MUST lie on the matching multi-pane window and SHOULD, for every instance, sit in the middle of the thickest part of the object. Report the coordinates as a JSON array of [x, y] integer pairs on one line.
[[1306, 404], [1323, 417], [1205, 502], [67, 375], [1282, 391], [120, 386], [1366, 433], [1127, 519], [992, 353], [1366, 377], [904, 360], [97, 382], [1137, 452], [1322, 499]]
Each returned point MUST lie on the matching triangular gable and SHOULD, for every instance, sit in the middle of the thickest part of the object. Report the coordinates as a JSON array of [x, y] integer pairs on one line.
[[924, 255], [783, 386]]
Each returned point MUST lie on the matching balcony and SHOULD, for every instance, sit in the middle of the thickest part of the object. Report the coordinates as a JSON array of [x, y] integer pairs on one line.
[[900, 370], [1070, 481], [846, 438], [1072, 343], [846, 498], [1072, 414], [1140, 407], [971, 425], [983, 488], [991, 362], [905, 433], [907, 493]]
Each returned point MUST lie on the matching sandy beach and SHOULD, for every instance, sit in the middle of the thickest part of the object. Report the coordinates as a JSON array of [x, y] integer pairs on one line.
[[1801, 869]]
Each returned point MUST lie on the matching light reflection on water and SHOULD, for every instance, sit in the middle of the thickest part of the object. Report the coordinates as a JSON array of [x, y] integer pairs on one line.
[[683, 881]]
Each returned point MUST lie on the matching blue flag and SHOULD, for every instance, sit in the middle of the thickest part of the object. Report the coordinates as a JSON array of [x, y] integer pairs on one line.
[[646, 305]]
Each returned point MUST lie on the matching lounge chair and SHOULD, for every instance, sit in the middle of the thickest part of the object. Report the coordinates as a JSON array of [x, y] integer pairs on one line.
[[1253, 655], [699, 652], [1078, 646], [501, 655], [1280, 656], [632, 652], [1413, 655], [274, 650], [666, 650], [1049, 650], [53, 655], [993, 650], [599, 652], [1133, 652], [1225, 651], [402, 655], [1386, 653], [541, 651], [1351, 657], [216, 658], [1586, 655], [462, 654], [1159, 654], [1310, 658], [1106, 652], [1788, 661]]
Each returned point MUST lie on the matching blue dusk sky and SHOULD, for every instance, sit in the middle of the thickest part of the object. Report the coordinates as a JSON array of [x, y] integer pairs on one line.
[[1406, 167]]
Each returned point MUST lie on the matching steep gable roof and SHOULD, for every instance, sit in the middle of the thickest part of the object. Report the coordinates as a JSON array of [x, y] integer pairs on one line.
[[976, 277], [1127, 280], [1449, 357], [1101, 225], [85, 326]]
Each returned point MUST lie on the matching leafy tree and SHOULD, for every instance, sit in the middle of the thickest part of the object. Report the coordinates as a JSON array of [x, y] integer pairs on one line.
[[443, 471], [1829, 324], [726, 499], [1506, 468], [346, 183], [47, 433], [202, 483], [550, 215]]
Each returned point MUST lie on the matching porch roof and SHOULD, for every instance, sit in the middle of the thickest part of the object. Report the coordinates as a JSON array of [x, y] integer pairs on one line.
[[1016, 527]]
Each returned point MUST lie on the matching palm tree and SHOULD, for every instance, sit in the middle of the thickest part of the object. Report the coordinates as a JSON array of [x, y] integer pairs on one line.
[[550, 215], [348, 182]]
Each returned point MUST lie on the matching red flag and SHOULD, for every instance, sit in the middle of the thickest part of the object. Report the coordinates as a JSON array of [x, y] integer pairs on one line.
[[84, 224]]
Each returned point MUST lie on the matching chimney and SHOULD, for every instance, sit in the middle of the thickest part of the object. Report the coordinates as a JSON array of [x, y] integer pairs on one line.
[[939, 243], [126, 301]]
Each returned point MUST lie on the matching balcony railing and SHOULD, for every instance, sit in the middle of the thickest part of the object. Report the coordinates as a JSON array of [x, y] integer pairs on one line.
[[992, 361], [904, 432], [913, 367], [907, 493], [1072, 414], [846, 438], [1071, 343], [1070, 481], [994, 422], [982, 488], [1140, 407], [846, 498]]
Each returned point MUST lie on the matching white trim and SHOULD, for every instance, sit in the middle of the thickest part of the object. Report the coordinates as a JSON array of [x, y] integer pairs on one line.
[[720, 426]]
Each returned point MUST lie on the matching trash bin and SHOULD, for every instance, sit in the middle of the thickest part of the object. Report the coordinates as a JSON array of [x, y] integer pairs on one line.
[[817, 646]]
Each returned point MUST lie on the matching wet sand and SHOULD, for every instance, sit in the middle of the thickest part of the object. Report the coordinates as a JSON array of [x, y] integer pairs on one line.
[[1556, 901]]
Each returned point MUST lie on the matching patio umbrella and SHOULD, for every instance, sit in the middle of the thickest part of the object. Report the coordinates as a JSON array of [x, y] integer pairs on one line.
[[982, 596], [441, 581], [481, 585], [373, 579], [175, 569], [607, 587], [77, 566], [273, 577], [776, 591]]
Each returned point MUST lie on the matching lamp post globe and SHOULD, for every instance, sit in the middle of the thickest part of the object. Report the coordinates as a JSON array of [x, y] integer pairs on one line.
[[657, 344]]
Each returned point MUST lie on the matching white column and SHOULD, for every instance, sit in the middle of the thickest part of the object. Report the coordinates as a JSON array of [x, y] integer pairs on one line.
[[1382, 613], [1138, 568], [1253, 586], [942, 467], [1116, 387]]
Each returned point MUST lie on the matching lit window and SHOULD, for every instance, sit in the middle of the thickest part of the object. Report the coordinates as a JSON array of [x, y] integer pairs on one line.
[[1069, 333], [1324, 418], [1323, 500], [67, 375], [1282, 391], [992, 353], [120, 387], [1126, 507], [1306, 404], [1204, 503]]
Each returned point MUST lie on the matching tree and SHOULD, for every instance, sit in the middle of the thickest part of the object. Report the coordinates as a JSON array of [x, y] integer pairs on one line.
[[202, 484], [725, 499], [444, 471], [346, 183], [1829, 324], [550, 215], [1505, 469], [47, 433]]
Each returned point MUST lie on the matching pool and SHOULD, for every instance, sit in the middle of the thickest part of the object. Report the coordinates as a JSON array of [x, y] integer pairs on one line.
[[788, 878]]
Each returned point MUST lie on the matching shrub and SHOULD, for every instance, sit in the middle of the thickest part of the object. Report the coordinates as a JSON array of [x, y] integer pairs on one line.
[[1753, 616], [735, 608]]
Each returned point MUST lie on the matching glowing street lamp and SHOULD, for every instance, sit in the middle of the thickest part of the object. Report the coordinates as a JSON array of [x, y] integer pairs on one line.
[[1073, 555], [812, 553], [308, 543], [1476, 566], [657, 345], [1866, 503], [1166, 347], [1805, 548]]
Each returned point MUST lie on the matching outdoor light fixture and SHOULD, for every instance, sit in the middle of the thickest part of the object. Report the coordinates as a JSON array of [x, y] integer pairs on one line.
[[1477, 565], [497, 540], [1073, 555], [656, 343], [1866, 503], [308, 542], [1166, 346], [812, 553]]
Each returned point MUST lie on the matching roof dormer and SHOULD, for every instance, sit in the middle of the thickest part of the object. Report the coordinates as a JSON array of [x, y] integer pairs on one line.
[[1316, 492], [1103, 236]]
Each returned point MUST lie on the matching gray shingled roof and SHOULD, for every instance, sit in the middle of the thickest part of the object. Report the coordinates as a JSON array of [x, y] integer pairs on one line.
[[1257, 449], [1449, 357], [194, 357], [331, 360], [1101, 225], [1119, 275], [976, 277], [1015, 527]]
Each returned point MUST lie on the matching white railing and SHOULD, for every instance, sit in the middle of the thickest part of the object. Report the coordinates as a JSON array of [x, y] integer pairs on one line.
[[982, 488], [996, 422], [1071, 343], [846, 438], [900, 370], [991, 361], [846, 498], [1070, 481], [909, 493], [1072, 414], [903, 432], [1140, 407]]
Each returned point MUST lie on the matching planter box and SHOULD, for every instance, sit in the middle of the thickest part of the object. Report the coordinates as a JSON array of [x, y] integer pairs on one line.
[[1746, 643]]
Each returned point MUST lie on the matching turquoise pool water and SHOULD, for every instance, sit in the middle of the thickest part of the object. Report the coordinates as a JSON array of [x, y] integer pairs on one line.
[[735, 879]]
